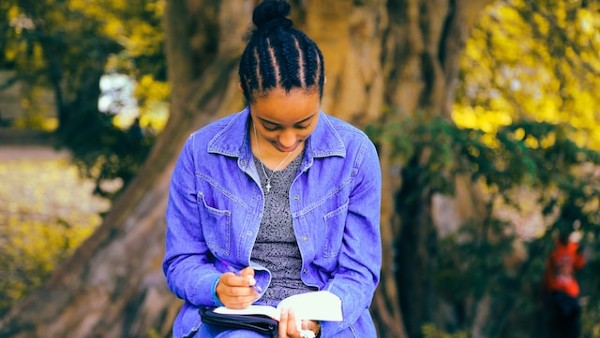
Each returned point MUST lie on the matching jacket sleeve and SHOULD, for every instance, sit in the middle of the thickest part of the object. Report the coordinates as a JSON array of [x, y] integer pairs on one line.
[[188, 264], [359, 268]]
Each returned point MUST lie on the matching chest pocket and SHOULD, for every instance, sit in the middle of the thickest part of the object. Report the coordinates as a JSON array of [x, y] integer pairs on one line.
[[216, 227], [335, 222]]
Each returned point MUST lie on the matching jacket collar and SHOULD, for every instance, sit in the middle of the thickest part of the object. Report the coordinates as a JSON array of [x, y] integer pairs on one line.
[[233, 139]]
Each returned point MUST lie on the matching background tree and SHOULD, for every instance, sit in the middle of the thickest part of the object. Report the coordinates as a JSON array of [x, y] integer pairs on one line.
[[393, 65], [532, 61], [68, 46]]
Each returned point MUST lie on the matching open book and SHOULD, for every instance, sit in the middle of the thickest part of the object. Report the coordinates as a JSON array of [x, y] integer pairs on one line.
[[317, 305]]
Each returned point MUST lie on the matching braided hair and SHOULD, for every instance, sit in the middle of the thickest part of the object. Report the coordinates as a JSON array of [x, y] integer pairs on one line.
[[278, 55]]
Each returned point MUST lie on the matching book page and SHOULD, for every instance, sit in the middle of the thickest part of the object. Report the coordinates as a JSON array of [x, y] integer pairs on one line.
[[318, 305]]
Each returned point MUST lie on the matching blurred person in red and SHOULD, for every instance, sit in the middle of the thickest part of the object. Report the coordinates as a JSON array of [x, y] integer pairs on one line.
[[561, 287]]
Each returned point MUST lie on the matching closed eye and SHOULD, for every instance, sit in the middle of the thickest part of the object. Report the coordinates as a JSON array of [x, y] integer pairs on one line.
[[304, 124], [300, 126], [274, 127], [271, 126]]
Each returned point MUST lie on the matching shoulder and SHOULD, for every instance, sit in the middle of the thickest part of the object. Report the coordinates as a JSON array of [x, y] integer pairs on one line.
[[222, 135], [340, 139]]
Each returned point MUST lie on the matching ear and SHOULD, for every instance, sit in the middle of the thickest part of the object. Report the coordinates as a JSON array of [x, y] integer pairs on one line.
[[239, 87]]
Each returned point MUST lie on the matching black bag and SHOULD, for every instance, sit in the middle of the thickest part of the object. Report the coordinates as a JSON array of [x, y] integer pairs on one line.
[[258, 323]]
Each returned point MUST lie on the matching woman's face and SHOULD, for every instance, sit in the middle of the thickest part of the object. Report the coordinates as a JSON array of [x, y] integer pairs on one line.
[[285, 120]]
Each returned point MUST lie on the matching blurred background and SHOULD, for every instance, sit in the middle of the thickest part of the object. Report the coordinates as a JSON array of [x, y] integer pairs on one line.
[[485, 114]]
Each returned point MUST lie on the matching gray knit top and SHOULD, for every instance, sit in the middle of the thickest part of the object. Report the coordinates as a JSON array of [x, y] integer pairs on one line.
[[275, 247]]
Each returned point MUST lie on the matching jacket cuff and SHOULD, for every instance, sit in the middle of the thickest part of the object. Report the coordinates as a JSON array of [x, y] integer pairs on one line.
[[213, 292]]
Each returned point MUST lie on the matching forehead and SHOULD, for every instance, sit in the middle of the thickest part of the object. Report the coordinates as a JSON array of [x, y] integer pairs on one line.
[[280, 106]]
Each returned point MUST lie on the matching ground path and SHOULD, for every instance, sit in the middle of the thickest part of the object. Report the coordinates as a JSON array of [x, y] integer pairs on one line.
[[17, 144], [38, 181], [46, 211], [30, 152]]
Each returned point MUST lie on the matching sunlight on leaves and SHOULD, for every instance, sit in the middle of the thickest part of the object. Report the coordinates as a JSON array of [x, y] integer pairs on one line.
[[534, 61], [46, 211]]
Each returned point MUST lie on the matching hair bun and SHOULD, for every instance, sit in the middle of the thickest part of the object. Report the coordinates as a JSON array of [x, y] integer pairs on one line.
[[271, 14]]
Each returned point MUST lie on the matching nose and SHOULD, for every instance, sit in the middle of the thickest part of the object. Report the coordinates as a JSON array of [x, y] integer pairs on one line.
[[287, 139]]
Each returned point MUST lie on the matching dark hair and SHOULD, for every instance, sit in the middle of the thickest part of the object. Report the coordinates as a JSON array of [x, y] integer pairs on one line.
[[278, 55]]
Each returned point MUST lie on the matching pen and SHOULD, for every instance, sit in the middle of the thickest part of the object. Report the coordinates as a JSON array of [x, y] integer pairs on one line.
[[230, 268]]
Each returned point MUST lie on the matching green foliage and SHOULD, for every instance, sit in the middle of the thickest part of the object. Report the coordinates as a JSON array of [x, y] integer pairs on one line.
[[431, 331], [537, 60], [109, 156], [487, 255], [45, 213], [153, 333], [66, 46], [525, 131]]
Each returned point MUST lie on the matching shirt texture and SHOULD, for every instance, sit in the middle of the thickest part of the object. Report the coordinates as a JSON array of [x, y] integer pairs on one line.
[[275, 247], [216, 205]]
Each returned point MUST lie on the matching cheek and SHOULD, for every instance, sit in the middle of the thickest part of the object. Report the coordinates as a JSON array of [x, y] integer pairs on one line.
[[302, 135], [306, 133]]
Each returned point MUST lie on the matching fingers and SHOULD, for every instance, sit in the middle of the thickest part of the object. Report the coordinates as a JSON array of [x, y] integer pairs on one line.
[[285, 324], [234, 280], [311, 325], [248, 273], [235, 291], [288, 326]]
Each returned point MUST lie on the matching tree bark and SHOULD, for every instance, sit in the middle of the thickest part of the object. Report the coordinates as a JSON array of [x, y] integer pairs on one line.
[[113, 285], [398, 56], [423, 45]]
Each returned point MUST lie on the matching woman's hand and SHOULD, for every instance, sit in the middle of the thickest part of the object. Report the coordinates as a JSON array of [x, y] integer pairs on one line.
[[236, 291], [287, 325]]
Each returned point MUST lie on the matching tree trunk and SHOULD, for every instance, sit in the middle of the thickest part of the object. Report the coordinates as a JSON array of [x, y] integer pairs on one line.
[[423, 43], [113, 285], [397, 54]]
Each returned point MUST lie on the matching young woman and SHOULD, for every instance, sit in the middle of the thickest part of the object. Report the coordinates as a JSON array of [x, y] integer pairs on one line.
[[282, 192]]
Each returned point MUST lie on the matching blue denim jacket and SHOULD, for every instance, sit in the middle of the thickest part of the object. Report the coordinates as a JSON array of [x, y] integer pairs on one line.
[[216, 205]]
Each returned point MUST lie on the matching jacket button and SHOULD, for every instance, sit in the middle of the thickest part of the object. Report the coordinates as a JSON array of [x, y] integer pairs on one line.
[[304, 238], [243, 162], [296, 197]]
